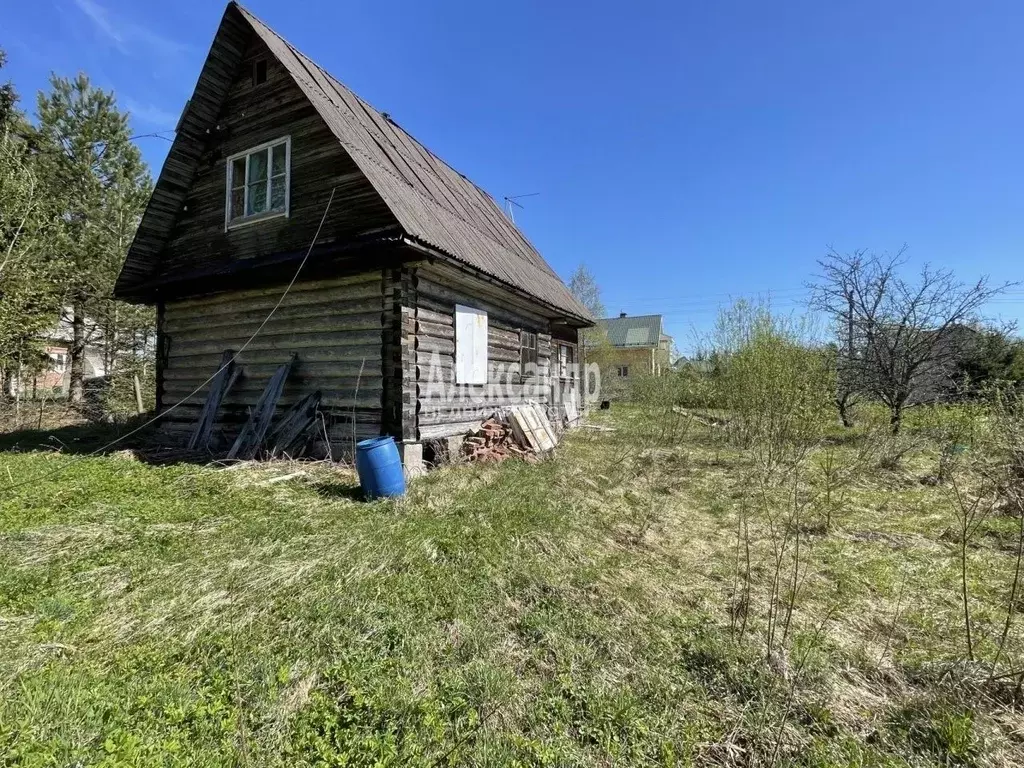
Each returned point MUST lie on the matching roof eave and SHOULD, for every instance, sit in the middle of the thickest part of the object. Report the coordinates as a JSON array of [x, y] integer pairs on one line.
[[571, 318]]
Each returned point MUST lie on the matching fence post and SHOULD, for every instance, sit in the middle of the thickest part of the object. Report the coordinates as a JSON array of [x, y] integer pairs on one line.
[[138, 392]]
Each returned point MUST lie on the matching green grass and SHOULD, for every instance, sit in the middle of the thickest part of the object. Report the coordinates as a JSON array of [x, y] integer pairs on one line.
[[574, 612]]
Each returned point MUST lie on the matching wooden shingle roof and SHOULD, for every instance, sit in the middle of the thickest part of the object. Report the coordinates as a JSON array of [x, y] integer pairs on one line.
[[434, 204]]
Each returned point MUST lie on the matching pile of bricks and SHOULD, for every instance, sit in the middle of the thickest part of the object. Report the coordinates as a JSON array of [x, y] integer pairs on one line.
[[492, 441]]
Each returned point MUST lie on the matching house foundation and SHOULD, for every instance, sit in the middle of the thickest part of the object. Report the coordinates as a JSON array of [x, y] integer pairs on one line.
[[412, 458]]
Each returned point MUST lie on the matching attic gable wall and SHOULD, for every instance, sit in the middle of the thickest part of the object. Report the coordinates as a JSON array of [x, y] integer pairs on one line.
[[183, 230], [252, 115]]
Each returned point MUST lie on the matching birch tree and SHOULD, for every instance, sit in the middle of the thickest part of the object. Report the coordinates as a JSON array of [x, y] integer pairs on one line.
[[584, 287]]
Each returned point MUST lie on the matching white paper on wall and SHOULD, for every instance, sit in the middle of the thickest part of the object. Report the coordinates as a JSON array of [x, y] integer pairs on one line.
[[470, 345]]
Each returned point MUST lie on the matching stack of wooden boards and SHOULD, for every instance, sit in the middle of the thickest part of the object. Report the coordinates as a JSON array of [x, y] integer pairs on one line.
[[289, 437], [532, 428], [523, 431]]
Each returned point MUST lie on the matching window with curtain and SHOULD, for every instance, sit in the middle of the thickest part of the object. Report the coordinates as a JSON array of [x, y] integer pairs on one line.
[[258, 182]]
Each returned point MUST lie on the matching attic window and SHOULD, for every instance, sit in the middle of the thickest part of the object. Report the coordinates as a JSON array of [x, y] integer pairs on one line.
[[259, 72], [258, 182]]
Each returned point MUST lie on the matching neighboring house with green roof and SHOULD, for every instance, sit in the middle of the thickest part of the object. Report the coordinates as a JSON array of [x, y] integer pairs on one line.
[[630, 345]]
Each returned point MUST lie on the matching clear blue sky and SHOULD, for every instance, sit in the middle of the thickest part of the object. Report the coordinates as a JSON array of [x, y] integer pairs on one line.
[[686, 151]]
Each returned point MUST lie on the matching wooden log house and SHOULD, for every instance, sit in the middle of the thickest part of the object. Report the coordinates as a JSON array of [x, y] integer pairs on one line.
[[421, 307]]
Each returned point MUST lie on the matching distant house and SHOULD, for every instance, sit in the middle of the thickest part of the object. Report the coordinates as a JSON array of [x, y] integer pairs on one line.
[[631, 345], [58, 350], [422, 308], [699, 365], [51, 375]]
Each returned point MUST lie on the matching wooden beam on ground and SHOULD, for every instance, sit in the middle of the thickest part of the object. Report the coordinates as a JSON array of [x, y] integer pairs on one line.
[[227, 374], [293, 431], [255, 429]]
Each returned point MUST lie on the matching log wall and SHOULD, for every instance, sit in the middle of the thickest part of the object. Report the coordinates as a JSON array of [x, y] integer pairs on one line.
[[379, 346], [334, 327], [443, 407]]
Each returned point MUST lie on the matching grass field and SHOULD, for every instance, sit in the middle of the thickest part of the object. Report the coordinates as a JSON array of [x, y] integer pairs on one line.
[[593, 609]]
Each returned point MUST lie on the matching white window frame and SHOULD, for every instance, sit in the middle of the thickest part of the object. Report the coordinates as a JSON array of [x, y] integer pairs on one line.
[[242, 221]]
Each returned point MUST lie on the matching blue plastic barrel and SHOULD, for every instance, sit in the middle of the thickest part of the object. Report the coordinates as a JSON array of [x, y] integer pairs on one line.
[[380, 468]]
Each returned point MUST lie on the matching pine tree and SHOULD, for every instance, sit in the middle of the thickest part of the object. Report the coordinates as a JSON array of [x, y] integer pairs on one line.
[[29, 231], [100, 183], [8, 98]]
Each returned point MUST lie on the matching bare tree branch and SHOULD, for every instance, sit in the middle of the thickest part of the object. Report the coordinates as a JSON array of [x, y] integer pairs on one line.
[[899, 338]]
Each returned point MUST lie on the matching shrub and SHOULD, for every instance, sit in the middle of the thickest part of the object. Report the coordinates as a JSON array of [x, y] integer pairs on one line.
[[776, 387]]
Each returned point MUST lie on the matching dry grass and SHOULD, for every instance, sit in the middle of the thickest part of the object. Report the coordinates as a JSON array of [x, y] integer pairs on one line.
[[575, 612]]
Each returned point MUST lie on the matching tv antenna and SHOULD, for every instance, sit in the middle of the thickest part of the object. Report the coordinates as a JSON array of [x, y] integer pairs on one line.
[[510, 200]]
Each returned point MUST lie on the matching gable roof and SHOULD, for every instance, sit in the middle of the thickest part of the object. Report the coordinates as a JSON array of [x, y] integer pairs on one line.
[[632, 331], [434, 204]]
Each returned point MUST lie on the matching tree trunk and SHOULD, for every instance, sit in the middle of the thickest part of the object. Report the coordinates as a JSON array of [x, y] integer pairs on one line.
[[896, 418], [110, 341], [76, 391], [844, 412], [17, 394]]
